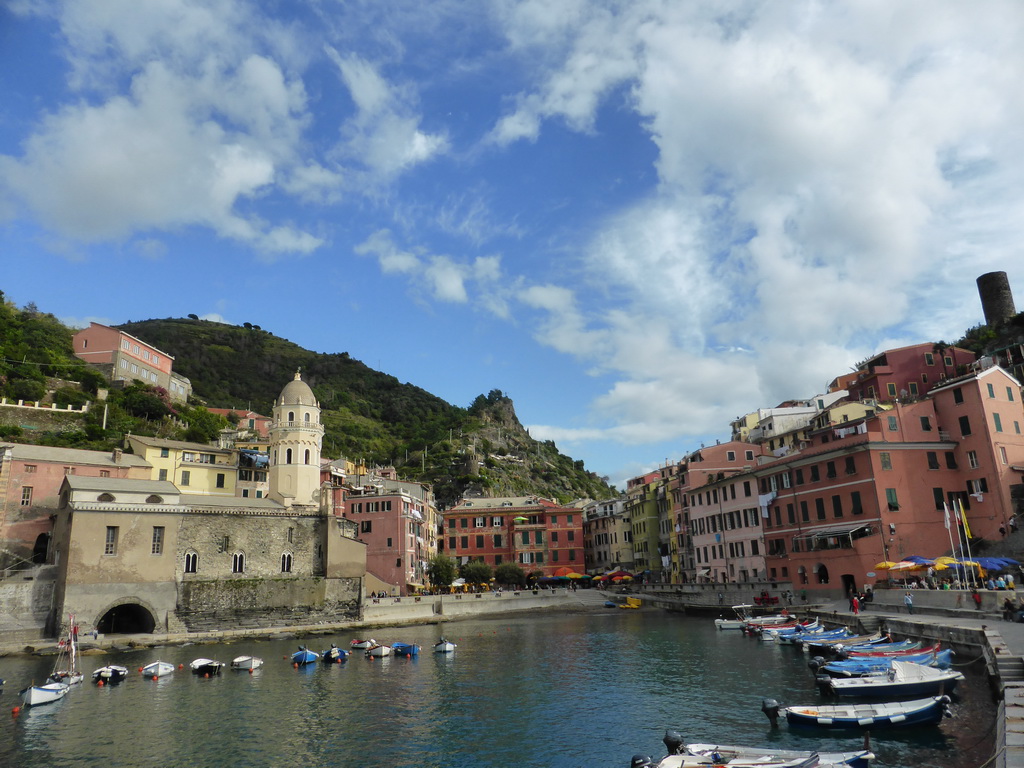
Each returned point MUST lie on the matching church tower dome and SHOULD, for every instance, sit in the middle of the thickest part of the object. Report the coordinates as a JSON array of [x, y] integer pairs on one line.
[[296, 438]]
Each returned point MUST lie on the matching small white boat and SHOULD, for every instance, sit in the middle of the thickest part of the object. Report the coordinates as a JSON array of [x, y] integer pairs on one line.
[[362, 645], [444, 646], [110, 674], [888, 714], [66, 670], [206, 667], [158, 669], [903, 679], [246, 662], [378, 650], [742, 617], [35, 695]]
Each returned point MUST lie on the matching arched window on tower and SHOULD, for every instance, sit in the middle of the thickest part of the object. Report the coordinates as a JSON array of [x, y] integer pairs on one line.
[[191, 562], [238, 562], [306, 418], [286, 562], [291, 416], [288, 456], [307, 456]]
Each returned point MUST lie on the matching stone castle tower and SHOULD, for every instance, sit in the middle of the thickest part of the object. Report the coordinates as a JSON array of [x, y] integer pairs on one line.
[[996, 298], [296, 437]]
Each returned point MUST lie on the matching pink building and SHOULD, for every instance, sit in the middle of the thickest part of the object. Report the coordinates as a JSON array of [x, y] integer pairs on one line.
[[876, 489], [248, 420], [30, 480], [123, 358], [905, 373], [721, 513]]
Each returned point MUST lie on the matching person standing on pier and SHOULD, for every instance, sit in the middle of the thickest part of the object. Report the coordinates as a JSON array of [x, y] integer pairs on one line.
[[908, 600]]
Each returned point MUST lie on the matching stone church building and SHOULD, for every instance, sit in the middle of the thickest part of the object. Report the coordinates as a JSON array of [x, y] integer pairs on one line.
[[138, 555]]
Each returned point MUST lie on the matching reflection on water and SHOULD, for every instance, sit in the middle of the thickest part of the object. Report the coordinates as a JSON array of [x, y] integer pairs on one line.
[[551, 691]]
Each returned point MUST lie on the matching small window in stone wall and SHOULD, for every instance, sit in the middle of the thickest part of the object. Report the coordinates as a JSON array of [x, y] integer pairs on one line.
[[286, 563], [191, 562], [238, 562]]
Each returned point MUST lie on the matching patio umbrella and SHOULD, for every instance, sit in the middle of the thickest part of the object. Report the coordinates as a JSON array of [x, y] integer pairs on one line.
[[885, 565], [575, 575], [563, 571], [906, 565]]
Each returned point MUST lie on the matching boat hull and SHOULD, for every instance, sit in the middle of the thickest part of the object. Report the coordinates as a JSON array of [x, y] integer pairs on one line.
[[110, 675], [379, 650], [334, 656], [37, 695], [246, 662], [304, 657], [158, 669], [405, 649], [206, 667], [865, 716], [725, 753], [444, 647]]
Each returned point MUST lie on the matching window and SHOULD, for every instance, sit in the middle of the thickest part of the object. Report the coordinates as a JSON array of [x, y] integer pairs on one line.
[[998, 422], [749, 455], [191, 562], [830, 469], [464, 542], [238, 562], [479, 522], [991, 390], [158, 540], [1009, 394], [479, 541], [815, 477], [972, 459], [894, 424], [837, 506], [819, 508], [891, 389], [26, 496], [110, 545], [977, 486], [799, 477], [912, 386], [220, 479], [937, 497], [926, 424], [104, 473], [958, 395], [929, 358], [30, 469], [365, 526], [965, 425], [933, 460], [1002, 454], [288, 456], [286, 562], [186, 477], [891, 501], [497, 541], [730, 455], [291, 535], [306, 457], [855, 505], [851, 466]]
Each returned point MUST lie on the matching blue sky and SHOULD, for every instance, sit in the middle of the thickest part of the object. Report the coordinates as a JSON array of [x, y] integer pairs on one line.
[[639, 219]]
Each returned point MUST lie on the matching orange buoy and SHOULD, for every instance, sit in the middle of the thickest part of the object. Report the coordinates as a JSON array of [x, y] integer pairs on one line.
[[250, 670], [296, 665], [99, 683], [154, 677], [206, 674], [140, 669], [181, 666], [16, 711]]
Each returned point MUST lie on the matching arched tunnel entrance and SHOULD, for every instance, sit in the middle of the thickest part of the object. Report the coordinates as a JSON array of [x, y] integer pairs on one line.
[[126, 619]]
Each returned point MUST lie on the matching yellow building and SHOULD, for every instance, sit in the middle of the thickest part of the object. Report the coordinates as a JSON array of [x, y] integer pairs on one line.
[[194, 468]]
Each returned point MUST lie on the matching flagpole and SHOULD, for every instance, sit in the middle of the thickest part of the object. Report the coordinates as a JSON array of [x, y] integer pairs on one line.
[[959, 539], [967, 539]]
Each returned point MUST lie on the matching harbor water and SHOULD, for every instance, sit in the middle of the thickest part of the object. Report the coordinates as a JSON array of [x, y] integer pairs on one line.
[[581, 690]]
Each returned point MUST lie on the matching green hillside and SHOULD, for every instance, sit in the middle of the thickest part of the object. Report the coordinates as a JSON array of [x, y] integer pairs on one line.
[[368, 415]]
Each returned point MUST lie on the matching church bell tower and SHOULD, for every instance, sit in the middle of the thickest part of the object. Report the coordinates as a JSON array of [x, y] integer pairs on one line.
[[296, 437]]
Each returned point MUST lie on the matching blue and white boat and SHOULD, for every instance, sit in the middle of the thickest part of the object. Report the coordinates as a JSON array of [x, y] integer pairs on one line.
[[405, 649], [903, 680], [35, 695], [863, 715], [304, 656], [334, 655], [858, 667], [444, 646], [110, 675]]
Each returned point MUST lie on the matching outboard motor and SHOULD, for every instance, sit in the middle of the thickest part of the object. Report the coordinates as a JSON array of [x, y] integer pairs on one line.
[[641, 761], [673, 742], [841, 654], [816, 663], [946, 701], [824, 683], [770, 707]]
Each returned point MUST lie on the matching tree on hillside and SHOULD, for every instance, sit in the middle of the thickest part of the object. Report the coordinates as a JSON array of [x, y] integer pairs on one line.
[[441, 570]]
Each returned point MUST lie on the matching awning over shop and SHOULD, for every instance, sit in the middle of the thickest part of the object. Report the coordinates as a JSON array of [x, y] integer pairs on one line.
[[825, 533]]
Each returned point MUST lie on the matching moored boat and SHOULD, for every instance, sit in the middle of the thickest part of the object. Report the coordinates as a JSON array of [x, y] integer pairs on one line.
[[157, 669], [246, 662], [903, 679], [378, 650], [334, 655], [35, 695], [65, 669], [362, 645], [444, 646], [862, 715], [405, 649], [304, 656], [858, 667], [731, 755], [110, 675], [206, 667]]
